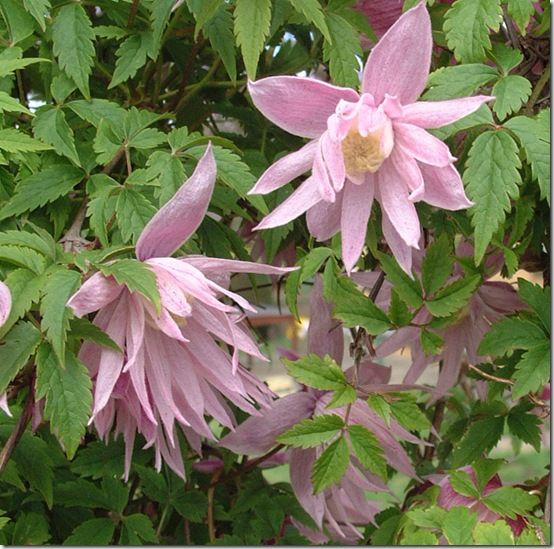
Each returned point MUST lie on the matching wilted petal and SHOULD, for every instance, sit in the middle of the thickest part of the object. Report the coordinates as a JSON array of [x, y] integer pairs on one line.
[[356, 208], [434, 114], [303, 198], [257, 434], [286, 169], [96, 292], [422, 145], [178, 218], [323, 218], [399, 63], [300, 106], [444, 188], [5, 303]]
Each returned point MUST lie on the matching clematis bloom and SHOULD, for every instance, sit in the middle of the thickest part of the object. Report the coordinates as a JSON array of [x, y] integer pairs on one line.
[[367, 146], [172, 371]]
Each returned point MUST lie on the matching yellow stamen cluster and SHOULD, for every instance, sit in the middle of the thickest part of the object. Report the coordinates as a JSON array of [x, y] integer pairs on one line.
[[362, 154]]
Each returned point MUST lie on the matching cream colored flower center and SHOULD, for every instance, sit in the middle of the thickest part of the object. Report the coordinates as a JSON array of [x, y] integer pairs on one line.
[[362, 154]]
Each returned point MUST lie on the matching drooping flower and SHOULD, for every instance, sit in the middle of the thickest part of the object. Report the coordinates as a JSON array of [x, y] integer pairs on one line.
[[373, 145], [172, 369], [491, 301], [338, 510]]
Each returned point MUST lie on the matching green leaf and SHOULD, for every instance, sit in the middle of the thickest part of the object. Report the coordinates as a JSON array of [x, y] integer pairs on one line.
[[525, 426], [528, 537], [40, 188], [409, 415], [433, 517], [203, 10], [9, 66], [50, 126], [9, 104], [29, 240], [19, 22], [16, 349], [431, 343], [98, 460], [532, 371], [398, 312], [59, 287], [317, 372], [82, 328], [458, 80], [140, 526], [73, 42], [511, 92], [312, 432], [380, 405], [467, 25], [462, 483], [331, 465], [505, 57], [14, 141], [534, 136], [407, 288], [95, 110], [497, 533], [68, 396], [481, 437], [509, 501], [311, 10], [485, 469], [31, 529], [168, 170], [342, 51], [458, 524], [252, 22], [133, 211], [342, 397], [23, 257], [219, 31], [537, 298], [419, 537], [510, 334], [96, 531], [453, 297], [521, 11], [437, 265], [39, 9], [492, 179], [192, 505], [131, 56], [368, 450], [137, 276]]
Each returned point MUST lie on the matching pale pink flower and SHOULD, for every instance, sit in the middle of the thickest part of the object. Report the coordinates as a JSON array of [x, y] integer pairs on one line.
[[373, 145], [5, 303], [172, 369], [381, 14], [341, 508]]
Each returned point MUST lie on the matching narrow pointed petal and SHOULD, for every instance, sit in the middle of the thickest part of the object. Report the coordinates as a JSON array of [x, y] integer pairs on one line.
[[323, 218], [4, 404], [393, 195], [303, 198], [321, 176], [332, 155], [399, 64], [356, 207], [5, 303], [207, 264], [177, 220], [422, 145], [408, 168], [401, 251], [444, 188], [434, 114], [286, 169], [96, 292], [300, 106], [325, 335]]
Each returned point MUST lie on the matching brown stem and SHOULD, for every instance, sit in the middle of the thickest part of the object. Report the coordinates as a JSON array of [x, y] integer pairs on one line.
[[490, 376], [17, 433], [210, 495], [438, 416], [539, 86], [132, 13]]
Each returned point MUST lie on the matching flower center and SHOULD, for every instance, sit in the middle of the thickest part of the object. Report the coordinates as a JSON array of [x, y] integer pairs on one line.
[[363, 153]]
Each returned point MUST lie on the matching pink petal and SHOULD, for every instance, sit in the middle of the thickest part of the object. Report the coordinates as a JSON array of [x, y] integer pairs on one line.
[[422, 145], [95, 293], [409, 170], [381, 14], [356, 208], [393, 196], [324, 333], [323, 218], [286, 169], [434, 114], [300, 106], [401, 251], [4, 404], [178, 218], [501, 297], [332, 155], [399, 64], [303, 198], [321, 176], [257, 434], [207, 264], [444, 188], [5, 303]]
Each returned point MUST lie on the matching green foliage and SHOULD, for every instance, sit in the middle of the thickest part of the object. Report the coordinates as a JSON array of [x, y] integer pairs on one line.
[[511, 92], [317, 372], [312, 432], [497, 533], [331, 465], [368, 450], [458, 525], [481, 437]]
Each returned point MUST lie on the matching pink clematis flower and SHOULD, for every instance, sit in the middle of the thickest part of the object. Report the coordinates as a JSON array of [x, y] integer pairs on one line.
[[338, 510], [172, 370], [366, 146], [5, 303], [491, 301], [381, 14]]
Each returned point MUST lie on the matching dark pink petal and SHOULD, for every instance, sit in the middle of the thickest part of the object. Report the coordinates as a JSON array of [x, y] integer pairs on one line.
[[381, 14], [177, 220], [95, 293], [444, 188], [422, 145], [286, 169], [399, 63], [300, 106], [257, 434], [356, 208], [302, 199], [501, 297], [323, 218], [434, 114]]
